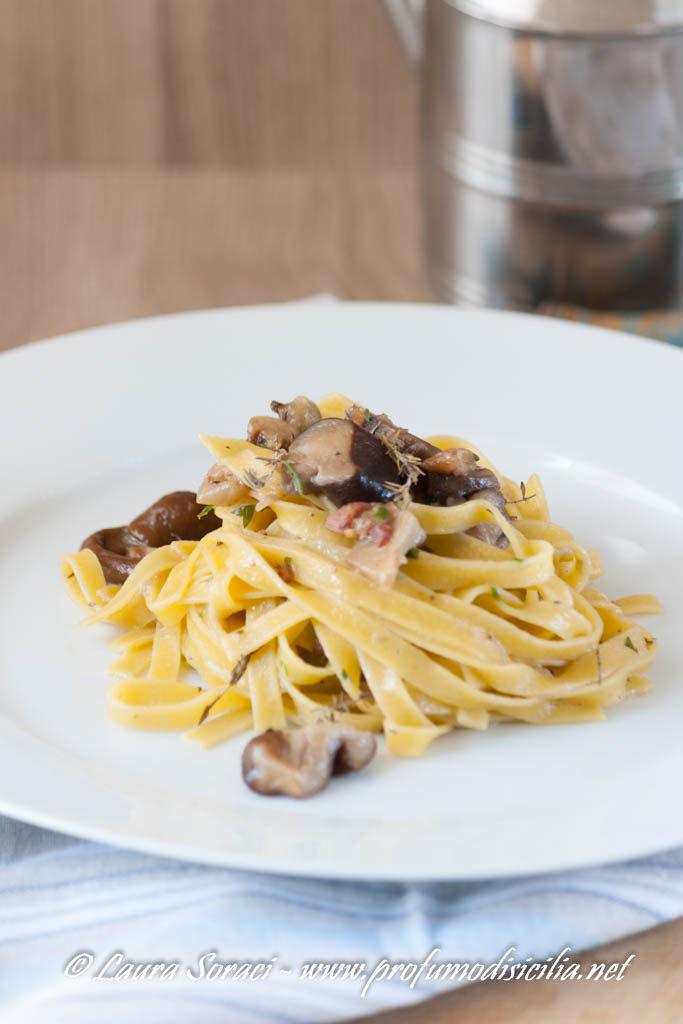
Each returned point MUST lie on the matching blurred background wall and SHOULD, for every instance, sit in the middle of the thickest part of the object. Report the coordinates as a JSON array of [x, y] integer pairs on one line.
[[159, 155]]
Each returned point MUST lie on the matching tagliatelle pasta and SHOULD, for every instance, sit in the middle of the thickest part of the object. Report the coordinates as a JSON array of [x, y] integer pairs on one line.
[[265, 621]]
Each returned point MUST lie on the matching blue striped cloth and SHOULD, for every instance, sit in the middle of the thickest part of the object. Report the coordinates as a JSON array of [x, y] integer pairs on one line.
[[61, 898]]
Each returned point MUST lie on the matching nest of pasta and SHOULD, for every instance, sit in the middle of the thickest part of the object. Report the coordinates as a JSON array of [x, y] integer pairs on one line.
[[269, 620]]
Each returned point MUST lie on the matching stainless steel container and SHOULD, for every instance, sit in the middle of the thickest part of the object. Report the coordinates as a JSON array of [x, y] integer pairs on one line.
[[553, 152]]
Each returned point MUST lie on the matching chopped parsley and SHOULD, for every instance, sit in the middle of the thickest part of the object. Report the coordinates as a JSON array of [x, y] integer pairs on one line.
[[496, 594], [205, 511], [380, 512], [344, 674], [412, 553], [295, 477], [288, 561], [367, 415], [246, 514], [629, 643], [519, 559]]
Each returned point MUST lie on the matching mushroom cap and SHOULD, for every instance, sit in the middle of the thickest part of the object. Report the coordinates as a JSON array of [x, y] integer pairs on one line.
[[337, 458], [299, 762], [220, 486], [300, 413], [114, 552], [173, 517]]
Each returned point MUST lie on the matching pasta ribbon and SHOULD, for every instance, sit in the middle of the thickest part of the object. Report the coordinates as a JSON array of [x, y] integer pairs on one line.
[[264, 624]]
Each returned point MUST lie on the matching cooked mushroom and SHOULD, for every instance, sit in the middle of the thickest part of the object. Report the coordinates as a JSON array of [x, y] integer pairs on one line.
[[115, 554], [395, 438], [456, 461], [173, 517], [220, 486], [494, 496], [336, 458], [441, 487], [489, 533], [300, 762], [270, 432], [300, 413]]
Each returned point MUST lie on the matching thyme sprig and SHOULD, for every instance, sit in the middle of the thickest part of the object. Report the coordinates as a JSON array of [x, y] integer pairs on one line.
[[401, 493], [235, 676], [525, 496]]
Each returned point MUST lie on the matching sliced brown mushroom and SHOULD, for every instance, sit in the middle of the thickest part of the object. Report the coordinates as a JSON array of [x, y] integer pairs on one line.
[[435, 476], [455, 461], [489, 533], [301, 413], [117, 556], [176, 516], [442, 487], [337, 458], [300, 762], [494, 496], [395, 438], [270, 432], [220, 486]]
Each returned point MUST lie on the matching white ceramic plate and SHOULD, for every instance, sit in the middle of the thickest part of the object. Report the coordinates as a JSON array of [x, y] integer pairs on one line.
[[98, 424]]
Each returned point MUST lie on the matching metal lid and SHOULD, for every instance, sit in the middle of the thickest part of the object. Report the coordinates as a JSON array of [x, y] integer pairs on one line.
[[579, 17]]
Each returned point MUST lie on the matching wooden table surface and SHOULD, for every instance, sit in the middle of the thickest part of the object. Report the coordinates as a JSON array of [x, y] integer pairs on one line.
[[159, 155]]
